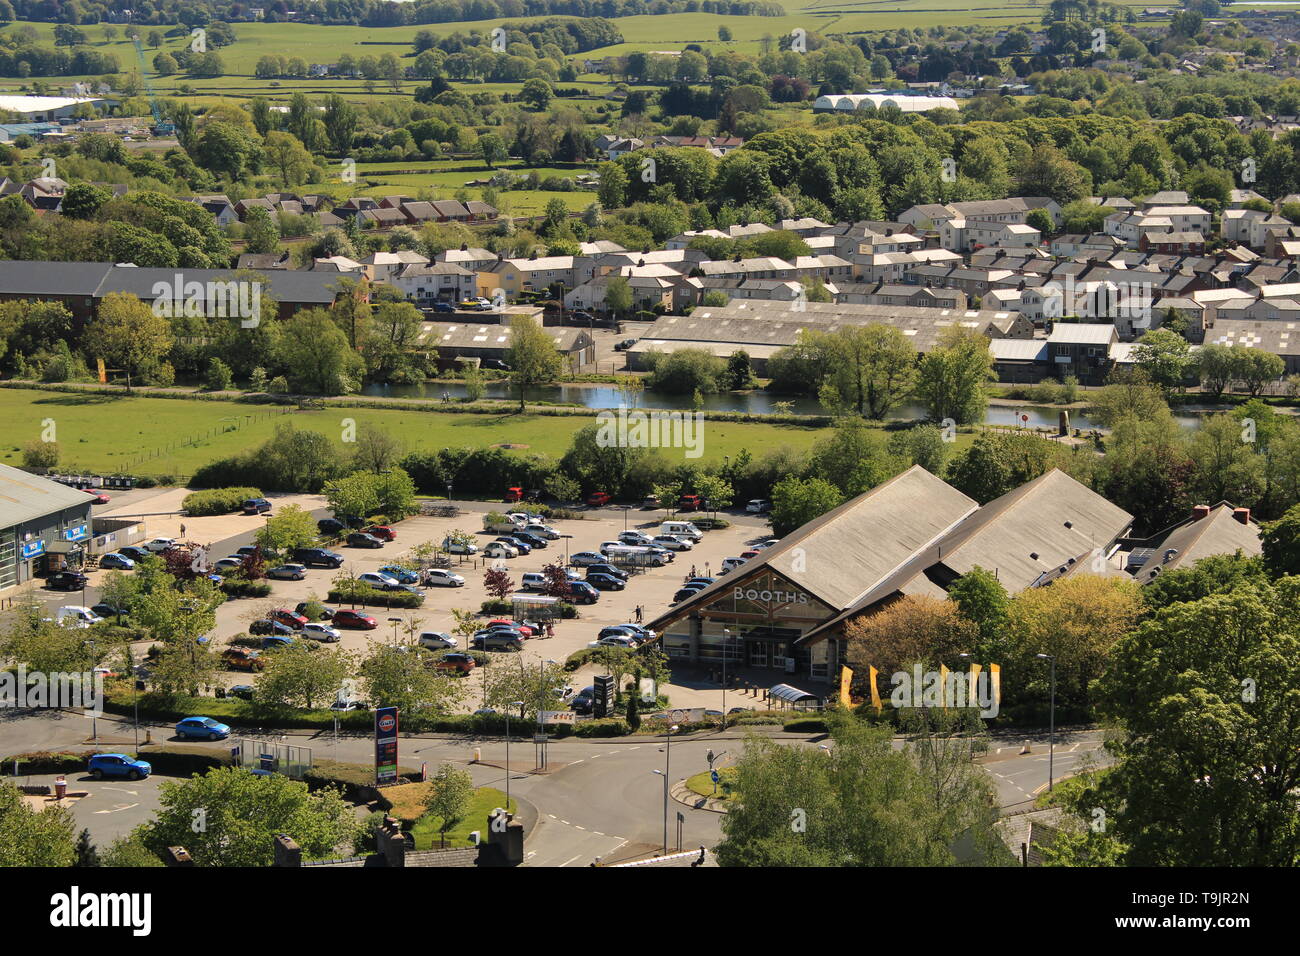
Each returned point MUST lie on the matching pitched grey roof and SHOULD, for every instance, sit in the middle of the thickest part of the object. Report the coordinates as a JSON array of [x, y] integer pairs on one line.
[[24, 497]]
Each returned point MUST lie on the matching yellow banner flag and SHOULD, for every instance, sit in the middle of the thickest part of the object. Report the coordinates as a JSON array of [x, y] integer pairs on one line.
[[943, 686], [846, 676], [972, 691], [875, 691], [995, 678], [103, 372]]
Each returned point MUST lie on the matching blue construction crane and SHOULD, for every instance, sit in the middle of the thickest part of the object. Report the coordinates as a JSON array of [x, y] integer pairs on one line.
[[160, 126]]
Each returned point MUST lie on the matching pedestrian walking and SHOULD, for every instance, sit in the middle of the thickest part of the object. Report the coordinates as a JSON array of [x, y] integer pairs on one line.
[[693, 571], [707, 572], [638, 613], [182, 531]]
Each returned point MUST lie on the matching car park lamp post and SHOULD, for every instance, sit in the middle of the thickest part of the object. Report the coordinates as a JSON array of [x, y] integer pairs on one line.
[[509, 707], [668, 751], [1051, 745], [394, 621], [726, 639]]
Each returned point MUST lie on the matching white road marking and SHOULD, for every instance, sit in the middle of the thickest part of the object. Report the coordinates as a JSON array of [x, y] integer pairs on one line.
[[567, 862], [119, 808]]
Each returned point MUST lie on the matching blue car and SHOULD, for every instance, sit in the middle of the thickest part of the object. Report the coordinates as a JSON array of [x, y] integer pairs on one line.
[[402, 575], [116, 561], [202, 728], [103, 766], [275, 641]]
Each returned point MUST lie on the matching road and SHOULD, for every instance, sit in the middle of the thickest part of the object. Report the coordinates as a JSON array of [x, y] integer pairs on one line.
[[597, 798]]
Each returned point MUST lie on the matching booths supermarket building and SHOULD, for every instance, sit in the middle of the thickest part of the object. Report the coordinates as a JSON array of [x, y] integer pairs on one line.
[[915, 534]]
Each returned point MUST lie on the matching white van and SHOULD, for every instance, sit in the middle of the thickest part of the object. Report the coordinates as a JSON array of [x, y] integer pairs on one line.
[[681, 528], [75, 615]]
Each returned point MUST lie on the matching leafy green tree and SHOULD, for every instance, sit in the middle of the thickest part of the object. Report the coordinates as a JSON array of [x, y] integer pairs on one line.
[[391, 678], [982, 600], [532, 357], [220, 377], [450, 794], [1165, 357], [290, 527], [1281, 543], [30, 837], [952, 378], [261, 234], [128, 335], [796, 501], [242, 815], [618, 295], [999, 462], [854, 458], [301, 676], [317, 354]]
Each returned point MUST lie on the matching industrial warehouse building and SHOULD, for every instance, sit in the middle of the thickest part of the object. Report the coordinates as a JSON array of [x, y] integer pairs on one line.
[[44, 526], [489, 344]]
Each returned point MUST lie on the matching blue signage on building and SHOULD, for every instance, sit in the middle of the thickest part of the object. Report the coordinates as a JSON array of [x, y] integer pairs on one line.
[[79, 533], [33, 548]]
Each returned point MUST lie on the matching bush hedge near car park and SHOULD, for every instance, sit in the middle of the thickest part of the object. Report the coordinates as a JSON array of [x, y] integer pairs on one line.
[[217, 501], [47, 761], [603, 727], [244, 588], [366, 596], [806, 725]]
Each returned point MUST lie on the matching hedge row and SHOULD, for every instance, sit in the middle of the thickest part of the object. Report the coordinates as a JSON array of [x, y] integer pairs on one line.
[[244, 588], [217, 501], [367, 596]]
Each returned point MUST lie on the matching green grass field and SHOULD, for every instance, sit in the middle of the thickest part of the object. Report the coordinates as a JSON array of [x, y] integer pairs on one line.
[[103, 433]]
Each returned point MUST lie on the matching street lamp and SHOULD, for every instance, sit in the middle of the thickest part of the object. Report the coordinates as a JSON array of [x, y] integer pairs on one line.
[[1051, 746], [726, 639], [394, 621], [449, 494], [668, 752], [520, 705]]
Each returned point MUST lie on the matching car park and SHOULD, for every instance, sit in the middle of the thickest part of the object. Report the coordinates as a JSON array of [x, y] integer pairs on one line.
[[134, 552], [287, 572], [354, 619], [376, 579], [288, 618], [436, 640], [437, 577], [315, 631], [268, 628], [400, 574], [459, 547], [202, 728], [116, 561], [117, 766], [359, 539], [604, 582], [66, 581]]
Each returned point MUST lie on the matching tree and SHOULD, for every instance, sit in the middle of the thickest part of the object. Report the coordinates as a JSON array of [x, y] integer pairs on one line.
[[450, 793], [982, 600], [242, 815], [914, 630], [84, 200], [1216, 367], [532, 356], [1047, 172], [220, 377], [302, 676], [952, 378], [1165, 358], [493, 149], [290, 527], [30, 837], [41, 454], [1205, 694], [375, 449], [618, 295], [1281, 543], [226, 149], [391, 678], [317, 354], [611, 193], [872, 367], [341, 121], [861, 803], [126, 333], [796, 501], [1256, 368], [536, 93], [287, 155], [498, 583], [997, 463], [853, 458]]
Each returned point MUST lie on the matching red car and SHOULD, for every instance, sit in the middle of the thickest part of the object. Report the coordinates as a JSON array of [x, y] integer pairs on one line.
[[288, 618], [382, 532], [523, 629], [461, 663], [514, 494], [99, 496], [688, 503], [355, 619], [751, 553], [598, 498]]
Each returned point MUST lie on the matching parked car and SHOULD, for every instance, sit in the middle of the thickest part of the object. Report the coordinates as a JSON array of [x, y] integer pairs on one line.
[[382, 532], [700, 580], [325, 612], [66, 581], [635, 538], [604, 582], [99, 496], [315, 631], [617, 640], [758, 506], [690, 503], [525, 630], [400, 574], [582, 559], [267, 627], [330, 527], [134, 552], [116, 561], [288, 618], [673, 543], [543, 531], [624, 345], [730, 564], [76, 615], [751, 553], [514, 493], [437, 577], [159, 545], [376, 580], [523, 547], [118, 766], [459, 547], [584, 700], [607, 569], [354, 619], [582, 315], [442, 307], [499, 549], [598, 499], [686, 592], [359, 539], [618, 630], [228, 564], [202, 728], [274, 642], [287, 572], [436, 640], [532, 581], [499, 640], [242, 659], [256, 506], [583, 593], [106, 610], [534, 541], [242, 691], [461, 663]]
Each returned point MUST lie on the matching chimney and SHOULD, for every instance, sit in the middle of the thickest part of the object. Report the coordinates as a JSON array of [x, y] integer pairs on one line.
[[287, 853], [1200, 511], [1242, 515]]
